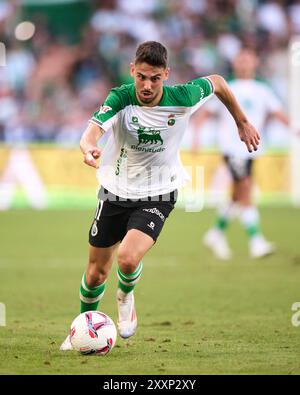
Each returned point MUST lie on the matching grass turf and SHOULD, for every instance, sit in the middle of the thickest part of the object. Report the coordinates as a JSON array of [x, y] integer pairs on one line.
[[197, 315]]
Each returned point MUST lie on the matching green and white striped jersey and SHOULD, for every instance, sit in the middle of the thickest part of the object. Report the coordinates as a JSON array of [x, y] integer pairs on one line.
[[141, 157]]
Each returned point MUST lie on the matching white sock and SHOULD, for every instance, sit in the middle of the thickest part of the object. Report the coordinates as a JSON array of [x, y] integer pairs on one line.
[[250, 219]]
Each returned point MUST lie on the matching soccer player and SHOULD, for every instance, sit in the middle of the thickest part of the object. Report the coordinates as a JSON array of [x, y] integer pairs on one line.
[[140, 171], [259, 104]]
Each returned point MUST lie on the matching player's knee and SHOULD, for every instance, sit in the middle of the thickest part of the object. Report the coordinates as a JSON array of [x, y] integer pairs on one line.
[[96, 276], [127, 261]]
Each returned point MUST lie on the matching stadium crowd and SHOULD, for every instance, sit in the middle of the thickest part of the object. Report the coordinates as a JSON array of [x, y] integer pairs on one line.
[[49, 88]]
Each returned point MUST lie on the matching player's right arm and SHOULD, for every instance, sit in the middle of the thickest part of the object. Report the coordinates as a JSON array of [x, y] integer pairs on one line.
[[88, 144], [102, 120]]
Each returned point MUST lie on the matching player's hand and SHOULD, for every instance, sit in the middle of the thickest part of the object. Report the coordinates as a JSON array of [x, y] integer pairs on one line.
[[91, 156], [249, 135]]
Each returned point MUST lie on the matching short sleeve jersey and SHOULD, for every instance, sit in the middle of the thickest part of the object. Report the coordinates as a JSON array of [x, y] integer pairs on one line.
[[141, 157]]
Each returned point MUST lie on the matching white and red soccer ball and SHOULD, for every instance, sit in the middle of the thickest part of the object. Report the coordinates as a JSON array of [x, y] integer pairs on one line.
[[93, 332]]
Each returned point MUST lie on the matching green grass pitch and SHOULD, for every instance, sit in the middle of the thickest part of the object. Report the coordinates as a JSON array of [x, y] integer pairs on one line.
[[196, 315]]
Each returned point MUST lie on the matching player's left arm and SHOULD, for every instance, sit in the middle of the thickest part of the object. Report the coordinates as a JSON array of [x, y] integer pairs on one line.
[[247, 132], [284, 119], [280, 116]]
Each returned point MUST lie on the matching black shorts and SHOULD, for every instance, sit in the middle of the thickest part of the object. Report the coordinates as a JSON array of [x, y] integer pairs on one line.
[[239, 167], [115, 216]]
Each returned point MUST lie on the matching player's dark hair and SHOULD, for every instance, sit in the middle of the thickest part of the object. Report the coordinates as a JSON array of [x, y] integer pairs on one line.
[[152, 53]]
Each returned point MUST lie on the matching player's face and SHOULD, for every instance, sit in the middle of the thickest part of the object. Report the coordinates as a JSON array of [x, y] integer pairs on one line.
[[245, 64], [148, 81]]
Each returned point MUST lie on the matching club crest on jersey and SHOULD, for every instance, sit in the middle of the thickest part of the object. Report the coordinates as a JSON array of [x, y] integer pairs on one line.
[[171, 120], [104, 109]]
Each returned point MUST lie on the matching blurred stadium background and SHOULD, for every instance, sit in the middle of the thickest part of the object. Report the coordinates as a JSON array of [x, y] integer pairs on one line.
[[55, 70], [61, 63]]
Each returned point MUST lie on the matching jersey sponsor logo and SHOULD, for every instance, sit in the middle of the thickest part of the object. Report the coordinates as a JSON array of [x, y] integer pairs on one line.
[[155, 211], [104, 109], [149, 135], [145, 149]]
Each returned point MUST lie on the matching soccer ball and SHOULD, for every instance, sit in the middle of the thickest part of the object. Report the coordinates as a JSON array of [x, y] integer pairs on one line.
[[93, 332]]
